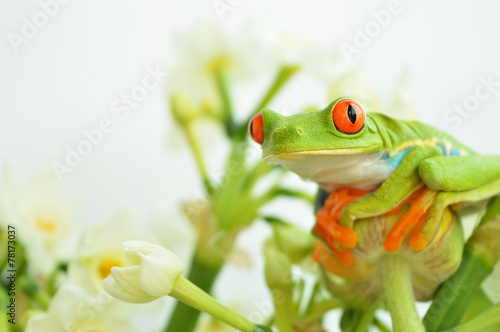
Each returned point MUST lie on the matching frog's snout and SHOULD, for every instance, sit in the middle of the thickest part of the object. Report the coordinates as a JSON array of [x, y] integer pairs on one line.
[[256, 128]]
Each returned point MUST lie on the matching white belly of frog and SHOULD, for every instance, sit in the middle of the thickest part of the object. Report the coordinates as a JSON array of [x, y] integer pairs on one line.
[[361, 171]]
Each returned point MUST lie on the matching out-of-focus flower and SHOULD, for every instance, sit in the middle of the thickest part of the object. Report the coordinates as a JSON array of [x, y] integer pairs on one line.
[[360, 283], [151, 273], [44, 218], [206, 52], [100, 249], [354, 83], [72, 309]]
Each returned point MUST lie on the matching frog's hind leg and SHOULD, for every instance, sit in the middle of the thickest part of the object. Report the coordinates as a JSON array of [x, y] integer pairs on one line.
[[422, 236], [460, 179], [459, 173], [420, 202]]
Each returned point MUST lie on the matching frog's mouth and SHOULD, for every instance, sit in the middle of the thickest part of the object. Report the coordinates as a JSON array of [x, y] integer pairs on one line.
[[353, 167], [332, 152], [290, 155]]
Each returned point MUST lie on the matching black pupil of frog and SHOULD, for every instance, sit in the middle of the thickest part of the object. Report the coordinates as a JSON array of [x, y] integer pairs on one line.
[[351, 113], [251, 127]]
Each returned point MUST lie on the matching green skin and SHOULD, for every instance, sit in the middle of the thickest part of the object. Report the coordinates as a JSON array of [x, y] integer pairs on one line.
[[389, 157]]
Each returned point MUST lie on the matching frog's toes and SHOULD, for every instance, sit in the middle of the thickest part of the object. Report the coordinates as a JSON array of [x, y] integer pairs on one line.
[[425, 230], [347, 218], [329, 229], [416, 216]]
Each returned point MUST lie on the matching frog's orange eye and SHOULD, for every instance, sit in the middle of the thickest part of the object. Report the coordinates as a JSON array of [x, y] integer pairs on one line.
[[256, 128], [348, 116]]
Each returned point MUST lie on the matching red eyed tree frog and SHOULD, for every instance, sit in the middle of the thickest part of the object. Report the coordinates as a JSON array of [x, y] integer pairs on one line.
[[387, 161]]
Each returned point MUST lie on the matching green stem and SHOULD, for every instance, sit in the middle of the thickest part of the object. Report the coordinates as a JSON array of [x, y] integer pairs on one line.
[[185, 291], [456, 294], [381, 326], [281, 78], [366, 319], [349, 320], [283, 75], [487, 319], [320, 309], [399, 295], [196, 150], [278, 271], [283, 309], [185, 317], [227, 105]]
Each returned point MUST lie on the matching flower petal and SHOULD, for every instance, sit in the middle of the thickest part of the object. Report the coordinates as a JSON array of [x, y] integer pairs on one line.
[[123, 283], [133, 247], [159, 272]]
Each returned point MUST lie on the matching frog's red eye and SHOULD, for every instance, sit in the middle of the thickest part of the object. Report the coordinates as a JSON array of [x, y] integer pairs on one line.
[[348, 116], [256, 128]]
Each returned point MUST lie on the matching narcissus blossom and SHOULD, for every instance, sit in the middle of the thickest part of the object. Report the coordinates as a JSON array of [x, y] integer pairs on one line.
[[43, 217], [151, 273]]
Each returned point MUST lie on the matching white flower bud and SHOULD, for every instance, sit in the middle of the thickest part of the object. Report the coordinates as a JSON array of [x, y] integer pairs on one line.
[[152, 273]]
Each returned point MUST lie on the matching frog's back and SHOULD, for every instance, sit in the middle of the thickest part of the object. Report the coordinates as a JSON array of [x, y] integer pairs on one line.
[[401, 136]]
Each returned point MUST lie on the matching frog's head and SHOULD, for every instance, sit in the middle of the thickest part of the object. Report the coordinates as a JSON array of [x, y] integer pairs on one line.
[[310, 144]]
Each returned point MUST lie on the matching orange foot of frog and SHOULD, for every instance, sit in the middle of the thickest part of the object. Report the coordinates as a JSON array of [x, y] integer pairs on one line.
[[328, 228]]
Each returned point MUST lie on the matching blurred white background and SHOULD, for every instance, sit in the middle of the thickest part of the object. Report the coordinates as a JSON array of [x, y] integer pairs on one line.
[[65, 79]]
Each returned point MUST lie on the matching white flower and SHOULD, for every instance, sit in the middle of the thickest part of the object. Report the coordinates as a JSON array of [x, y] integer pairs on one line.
[[207, 48], [100, 249], [43, 217], [394, 101], [152, 273], [74, 310]]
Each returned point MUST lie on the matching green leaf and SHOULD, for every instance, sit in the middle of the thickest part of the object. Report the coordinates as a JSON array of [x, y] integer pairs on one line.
[[487, 319]]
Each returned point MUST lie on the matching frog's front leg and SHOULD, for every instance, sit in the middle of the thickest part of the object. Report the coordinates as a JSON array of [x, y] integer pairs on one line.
[[328, 209], [396, 188]]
